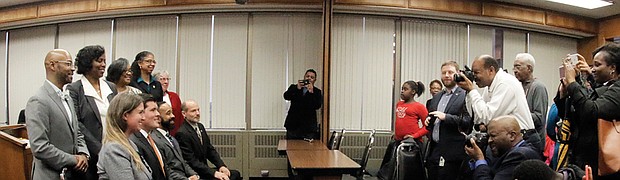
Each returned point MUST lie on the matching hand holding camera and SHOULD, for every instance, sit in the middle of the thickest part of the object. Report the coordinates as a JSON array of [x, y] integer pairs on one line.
[[464, 79]]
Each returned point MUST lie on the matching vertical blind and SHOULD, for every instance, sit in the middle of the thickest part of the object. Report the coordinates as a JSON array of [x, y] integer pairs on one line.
[[74, 36], [427, 45], [549, 51], [362, 72], [213, 67], [3, 67], [480, 42], [156, 34], [27, 50], [514, 43], [282, 47]]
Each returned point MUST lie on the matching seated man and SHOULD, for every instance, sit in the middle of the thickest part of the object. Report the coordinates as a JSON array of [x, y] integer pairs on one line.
[[170, 146], [197, 148], [508, 149]]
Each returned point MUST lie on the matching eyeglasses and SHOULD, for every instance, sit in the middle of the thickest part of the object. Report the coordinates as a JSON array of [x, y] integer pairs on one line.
[[67, 62], [150, 61], [127, 71]]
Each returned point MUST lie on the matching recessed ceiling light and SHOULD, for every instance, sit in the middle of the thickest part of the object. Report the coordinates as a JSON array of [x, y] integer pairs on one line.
[[588, 4]]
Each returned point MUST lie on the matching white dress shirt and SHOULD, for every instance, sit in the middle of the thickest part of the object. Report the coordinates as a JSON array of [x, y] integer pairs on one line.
[[101, 101], [63, 94], [504, 96]]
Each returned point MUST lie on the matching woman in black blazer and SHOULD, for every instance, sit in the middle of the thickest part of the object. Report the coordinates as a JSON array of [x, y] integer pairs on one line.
[[91, 96]]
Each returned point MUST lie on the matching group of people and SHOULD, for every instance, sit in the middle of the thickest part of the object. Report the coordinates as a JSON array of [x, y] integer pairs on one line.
[[511, 111], [122, 127]]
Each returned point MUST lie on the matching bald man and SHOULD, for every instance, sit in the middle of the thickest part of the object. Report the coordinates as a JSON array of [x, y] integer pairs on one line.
[[498, 98], [55, 140], [197, 148], [508, 149]]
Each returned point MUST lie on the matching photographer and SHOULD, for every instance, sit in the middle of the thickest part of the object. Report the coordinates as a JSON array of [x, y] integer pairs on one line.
[[508, 149], [603, 103], [498, 98], [450, 119], [305, 99]]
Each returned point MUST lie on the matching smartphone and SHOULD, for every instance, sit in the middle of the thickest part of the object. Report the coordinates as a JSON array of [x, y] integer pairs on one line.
[[562, 72], [574, 59]]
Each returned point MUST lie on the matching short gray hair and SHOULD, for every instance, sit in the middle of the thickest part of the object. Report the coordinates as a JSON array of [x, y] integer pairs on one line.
[[159, 73], [527, 58]]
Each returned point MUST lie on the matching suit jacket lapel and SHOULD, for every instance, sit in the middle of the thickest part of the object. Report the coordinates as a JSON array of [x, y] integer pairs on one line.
[[54, 96], [93, 107], [191, 130], [457, 92]]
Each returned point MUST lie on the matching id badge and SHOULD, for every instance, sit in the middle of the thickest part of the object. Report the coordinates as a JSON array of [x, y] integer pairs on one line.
[[420, 124], [441, 161]]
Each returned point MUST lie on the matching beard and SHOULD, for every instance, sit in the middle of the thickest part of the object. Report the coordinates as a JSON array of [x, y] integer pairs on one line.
[[168, 125]]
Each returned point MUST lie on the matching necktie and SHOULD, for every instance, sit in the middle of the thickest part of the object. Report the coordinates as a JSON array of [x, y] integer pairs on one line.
[[161, 163], [172, 140], [199, 134]]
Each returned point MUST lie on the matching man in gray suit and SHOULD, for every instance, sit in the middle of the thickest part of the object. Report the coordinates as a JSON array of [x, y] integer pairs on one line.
[[53, 130], [170, 146]]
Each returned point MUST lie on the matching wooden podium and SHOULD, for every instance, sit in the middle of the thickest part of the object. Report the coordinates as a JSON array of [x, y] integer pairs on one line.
[[15, 154]]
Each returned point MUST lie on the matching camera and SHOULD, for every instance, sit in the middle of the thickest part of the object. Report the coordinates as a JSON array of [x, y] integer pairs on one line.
[[480, 138], [467, 72], [305, 81]]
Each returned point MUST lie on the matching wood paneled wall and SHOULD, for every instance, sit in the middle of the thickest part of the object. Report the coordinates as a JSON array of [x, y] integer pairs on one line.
[[469, 7]]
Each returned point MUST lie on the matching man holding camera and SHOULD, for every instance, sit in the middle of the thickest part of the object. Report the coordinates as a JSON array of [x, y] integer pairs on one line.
[[535, 91], [507, 146], [449, 119], [500, 97], [301, 122]]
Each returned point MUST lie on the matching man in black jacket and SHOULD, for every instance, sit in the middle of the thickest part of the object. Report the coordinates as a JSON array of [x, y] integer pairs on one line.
[[450, 120], [305, 100], [197, 148]]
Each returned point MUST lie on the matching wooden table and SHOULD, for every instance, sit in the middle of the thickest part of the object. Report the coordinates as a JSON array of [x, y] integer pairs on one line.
[[321, 164], [285, 145]]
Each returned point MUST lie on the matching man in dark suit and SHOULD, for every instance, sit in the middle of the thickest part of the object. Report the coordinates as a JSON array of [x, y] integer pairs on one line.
[[305, 99], [507, 146], [54, 135], [197, 148], [450, 119], [170, 146], [144, 141]]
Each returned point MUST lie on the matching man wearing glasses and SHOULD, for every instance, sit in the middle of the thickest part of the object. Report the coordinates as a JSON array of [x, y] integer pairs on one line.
[[57, 144]]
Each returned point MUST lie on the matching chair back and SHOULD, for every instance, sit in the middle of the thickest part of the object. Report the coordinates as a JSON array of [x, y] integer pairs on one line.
[[339, 138], [364, 160], [332, 140]]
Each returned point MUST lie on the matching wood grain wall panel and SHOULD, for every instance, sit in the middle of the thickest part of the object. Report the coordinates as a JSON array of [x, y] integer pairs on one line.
[[21, 13], [395, 3], [513, 12], [67, 7], [609, 28], [286, 1], [123, 4], [185, 2], [586, 46], [455, 6], [571, 22]]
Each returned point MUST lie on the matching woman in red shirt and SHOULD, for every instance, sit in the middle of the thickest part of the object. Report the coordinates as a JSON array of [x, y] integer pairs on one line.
[[410, 115]]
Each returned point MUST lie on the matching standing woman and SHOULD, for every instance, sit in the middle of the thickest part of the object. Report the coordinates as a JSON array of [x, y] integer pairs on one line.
[[119, 159], [142, 69], [434, 87], [410, 115], [92, 96], [120, 74], [171, 98]]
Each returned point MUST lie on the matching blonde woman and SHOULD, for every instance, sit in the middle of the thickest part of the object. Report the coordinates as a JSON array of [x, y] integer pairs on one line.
[[118, 158]]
